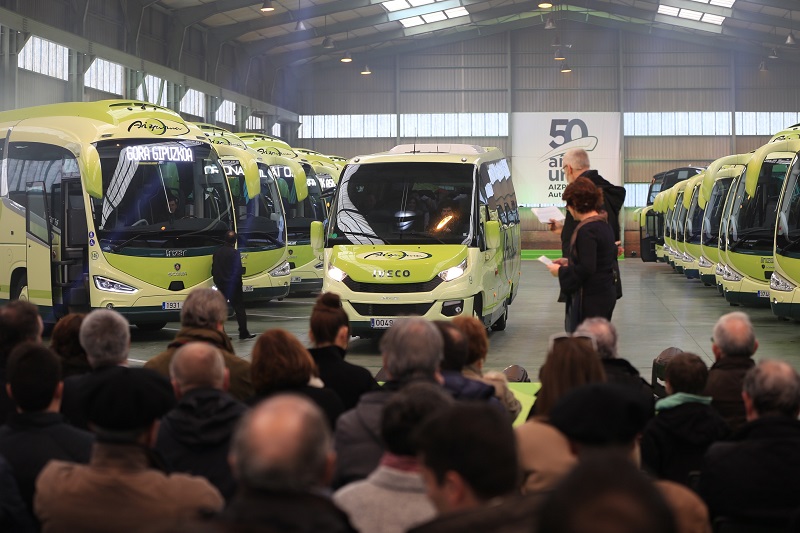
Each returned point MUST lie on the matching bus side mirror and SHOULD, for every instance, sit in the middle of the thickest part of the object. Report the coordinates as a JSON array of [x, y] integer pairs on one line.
[[492, 228], [317, 238]]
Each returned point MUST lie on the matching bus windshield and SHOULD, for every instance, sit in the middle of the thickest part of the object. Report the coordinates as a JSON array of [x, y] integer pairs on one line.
[[694, 219], [787, 239], [409, 203], [751, 225], [259, 219], [299, 213], [680, 217], [712, 216], [154, 192]]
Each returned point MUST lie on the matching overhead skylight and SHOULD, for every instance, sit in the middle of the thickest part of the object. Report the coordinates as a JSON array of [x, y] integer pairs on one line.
[[396, 5], [410, 22], [690, 14], [668, 10], [436, 16], [722, 3], [456, 12], [713, 19]]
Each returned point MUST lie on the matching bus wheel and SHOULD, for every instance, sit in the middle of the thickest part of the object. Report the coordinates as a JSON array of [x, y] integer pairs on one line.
[[500, 325], [151, 326], [20, 291]]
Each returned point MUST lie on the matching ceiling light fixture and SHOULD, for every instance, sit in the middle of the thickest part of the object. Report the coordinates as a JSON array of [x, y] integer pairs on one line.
[[773, 54], [559, 56], [763, 67], [545, 5], [550, 24], [300, 26], [327, 42], [565, 68], [267, 6], [366, 71], [347, 58], [790, 40]]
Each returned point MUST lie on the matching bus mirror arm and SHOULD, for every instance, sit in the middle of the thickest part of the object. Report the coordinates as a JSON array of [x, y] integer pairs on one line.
[[317, 238]]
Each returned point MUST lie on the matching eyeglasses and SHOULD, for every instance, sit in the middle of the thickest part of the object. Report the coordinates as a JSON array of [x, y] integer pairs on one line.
[[559, 337]]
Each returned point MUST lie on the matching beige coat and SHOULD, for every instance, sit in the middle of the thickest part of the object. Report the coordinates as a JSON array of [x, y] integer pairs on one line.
[[501, 391], [118, 491], [544, 455]]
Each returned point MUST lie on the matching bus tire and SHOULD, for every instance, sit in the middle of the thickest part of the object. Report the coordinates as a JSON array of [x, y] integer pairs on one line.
[[20, 290], [151, 326], [500, 324]]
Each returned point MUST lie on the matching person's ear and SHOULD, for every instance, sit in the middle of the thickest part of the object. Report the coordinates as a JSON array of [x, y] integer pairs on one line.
[[749, 409], [342, 337], [59, 392], [755, 346], [176, 388], [716, 351], [311, 337], [329, 469]]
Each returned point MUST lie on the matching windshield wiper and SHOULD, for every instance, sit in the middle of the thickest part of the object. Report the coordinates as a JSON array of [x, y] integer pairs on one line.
[[790, 245], [137, 236], [419, 234], [747, 233], [360, 234], [262, 235]]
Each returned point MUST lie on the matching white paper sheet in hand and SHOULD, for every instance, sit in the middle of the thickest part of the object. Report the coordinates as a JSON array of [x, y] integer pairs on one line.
[[544, 214], [546, 260]]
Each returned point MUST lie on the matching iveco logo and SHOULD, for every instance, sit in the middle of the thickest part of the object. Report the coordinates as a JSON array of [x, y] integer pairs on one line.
[[391, 273]]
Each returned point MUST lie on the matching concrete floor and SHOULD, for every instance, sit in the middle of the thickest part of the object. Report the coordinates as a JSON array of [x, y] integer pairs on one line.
[[660, 308]]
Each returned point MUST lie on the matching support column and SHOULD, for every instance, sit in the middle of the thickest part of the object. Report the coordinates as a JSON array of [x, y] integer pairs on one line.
[[133, 79], [79, 63], [11, 43], [212, 105]]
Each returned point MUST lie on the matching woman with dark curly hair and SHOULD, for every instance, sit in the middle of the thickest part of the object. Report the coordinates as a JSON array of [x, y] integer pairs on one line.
[[281, 364], [588, 278]]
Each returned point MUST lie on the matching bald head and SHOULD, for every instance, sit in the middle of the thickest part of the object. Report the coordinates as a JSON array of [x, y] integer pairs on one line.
[[197, 365], [283, 445], [734, 336], [772, 388]]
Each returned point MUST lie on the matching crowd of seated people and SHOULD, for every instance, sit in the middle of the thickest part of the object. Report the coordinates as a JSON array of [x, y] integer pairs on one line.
[[300, 440]]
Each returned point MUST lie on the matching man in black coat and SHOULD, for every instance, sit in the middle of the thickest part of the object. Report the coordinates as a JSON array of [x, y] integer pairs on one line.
[[575, 165], [756, 476], [19, 322], [194, 437], [227, 271], [37, 433]]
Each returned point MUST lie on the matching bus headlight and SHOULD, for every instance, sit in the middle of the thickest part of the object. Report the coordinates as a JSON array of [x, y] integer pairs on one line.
[[779, 283], [336, 273], [731, 275], [454, 272], [110, 285], [704, 263], [720, 270], [282, 270]]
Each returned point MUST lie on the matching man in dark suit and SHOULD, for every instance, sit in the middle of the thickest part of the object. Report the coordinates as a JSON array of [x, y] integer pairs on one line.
[[227, 270]]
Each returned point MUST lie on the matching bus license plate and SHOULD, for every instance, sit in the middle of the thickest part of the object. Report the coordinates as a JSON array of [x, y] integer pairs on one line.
[[177, 306], [247, 288], [381, 323], [296, 279], [763, 294]]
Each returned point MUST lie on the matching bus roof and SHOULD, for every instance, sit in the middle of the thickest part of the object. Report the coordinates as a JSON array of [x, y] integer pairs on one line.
[[443, 153]]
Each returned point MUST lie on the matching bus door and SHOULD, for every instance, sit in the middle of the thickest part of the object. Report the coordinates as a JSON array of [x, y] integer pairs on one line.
[[39, 236], [649, 236], [71, 276]]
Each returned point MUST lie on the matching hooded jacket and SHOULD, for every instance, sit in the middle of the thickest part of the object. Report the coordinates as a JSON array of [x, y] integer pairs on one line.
[[195, 436], [675, 441]]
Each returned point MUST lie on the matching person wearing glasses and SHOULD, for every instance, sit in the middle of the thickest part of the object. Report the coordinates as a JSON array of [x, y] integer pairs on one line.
[[588, 279]]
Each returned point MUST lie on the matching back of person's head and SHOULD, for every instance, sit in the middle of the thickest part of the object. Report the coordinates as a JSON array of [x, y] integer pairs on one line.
[[327, 318], [19, 322], [280, 360], [204, 308], [577, 158], [605, 493], [282, 445], [474, 440], [454, 351], [582, 195], [571, 362], [686, 372], [406, 410], [122, 403], [230, 237], [602, 415], [33, 373], [412, 347], [734, 335], [197, 365], [65, 338], [106, 337], [773, 387], [477, 339], [604, 333]]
